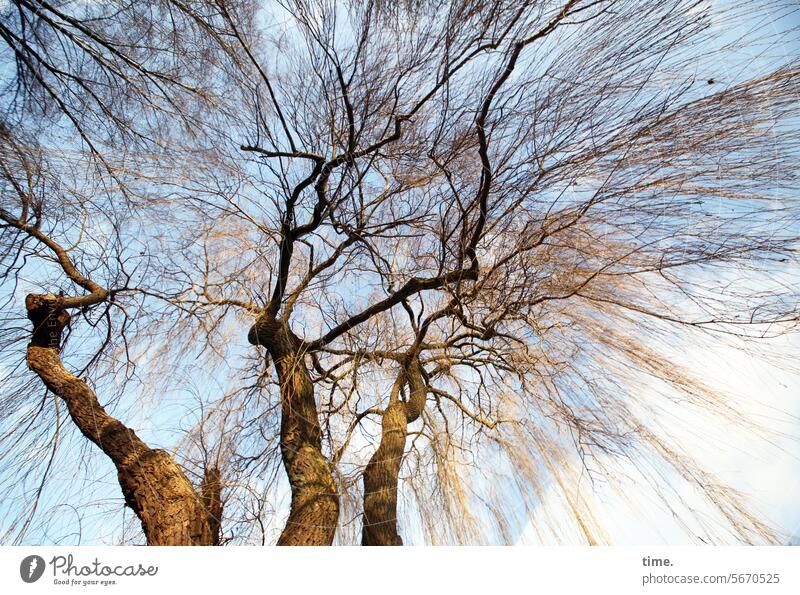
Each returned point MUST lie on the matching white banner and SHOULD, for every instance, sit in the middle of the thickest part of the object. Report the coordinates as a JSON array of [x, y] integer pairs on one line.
[[418, 570]]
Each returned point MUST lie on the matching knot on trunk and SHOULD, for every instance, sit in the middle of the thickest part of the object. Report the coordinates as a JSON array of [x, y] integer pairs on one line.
[[275, 335], [49, 318]]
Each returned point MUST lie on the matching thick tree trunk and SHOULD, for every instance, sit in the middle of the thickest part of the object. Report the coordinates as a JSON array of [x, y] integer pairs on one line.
[[153, 484], [383, 470], [315, 499], [380, 480]]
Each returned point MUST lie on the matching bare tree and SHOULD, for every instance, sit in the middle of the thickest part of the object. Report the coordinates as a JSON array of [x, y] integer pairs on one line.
[[153, 485], [469, 237], [91, 79], [535, 175]]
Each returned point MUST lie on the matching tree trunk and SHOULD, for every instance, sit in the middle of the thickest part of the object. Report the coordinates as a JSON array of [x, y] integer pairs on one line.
[[383, 470], [153, 484], [314, 510]]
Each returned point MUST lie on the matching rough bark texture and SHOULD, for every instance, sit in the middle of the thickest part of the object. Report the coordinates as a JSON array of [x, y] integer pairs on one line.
[[382, 471], [315, 500], [153, 484]]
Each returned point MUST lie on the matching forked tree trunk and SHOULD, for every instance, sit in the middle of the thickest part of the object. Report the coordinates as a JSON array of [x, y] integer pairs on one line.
[[153, 484], [383, 470], [314, 510]]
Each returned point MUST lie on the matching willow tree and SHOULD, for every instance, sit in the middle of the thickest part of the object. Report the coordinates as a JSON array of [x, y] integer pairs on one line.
[[486, 226], [469, 239], [85, 84]]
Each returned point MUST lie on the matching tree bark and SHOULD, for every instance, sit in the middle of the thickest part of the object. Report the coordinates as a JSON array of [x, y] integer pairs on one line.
[[314, 510], [152, 482], [383, 470]]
